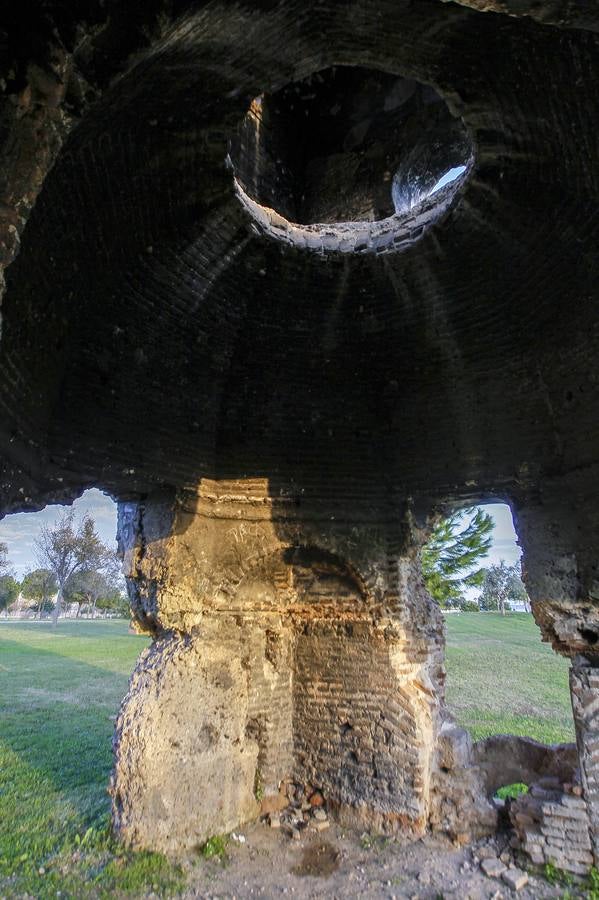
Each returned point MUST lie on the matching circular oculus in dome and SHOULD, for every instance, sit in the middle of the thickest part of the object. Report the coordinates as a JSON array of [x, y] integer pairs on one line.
[[350, 160]]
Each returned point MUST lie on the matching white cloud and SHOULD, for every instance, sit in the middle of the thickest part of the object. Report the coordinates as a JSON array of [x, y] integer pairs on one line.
[[504, 546]]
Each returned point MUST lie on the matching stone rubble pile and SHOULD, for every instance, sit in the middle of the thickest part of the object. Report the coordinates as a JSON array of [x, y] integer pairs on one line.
[[500, 865], [552, 826], [305, 810]]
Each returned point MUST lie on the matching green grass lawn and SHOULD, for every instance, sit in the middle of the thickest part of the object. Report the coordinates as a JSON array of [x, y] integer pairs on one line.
[[501, 679], [60, 691]]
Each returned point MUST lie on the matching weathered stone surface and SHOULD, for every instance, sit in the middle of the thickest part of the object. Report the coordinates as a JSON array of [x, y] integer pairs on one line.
[[185, 767], [509, 759], [552, 826], [565, 13], [334, 674], [584, 689], [459, 805], [515, 879], [493, 867], [454, 747]]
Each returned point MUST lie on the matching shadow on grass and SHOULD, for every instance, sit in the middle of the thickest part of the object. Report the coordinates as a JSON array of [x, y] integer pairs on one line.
[[58, 718]]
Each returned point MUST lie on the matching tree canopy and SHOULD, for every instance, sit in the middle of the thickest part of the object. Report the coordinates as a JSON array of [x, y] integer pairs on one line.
[[9, 586], [452, 553], [97, 588], [9, 590], [4, 563], [502, 586], [39, 586], [73, 565], [65, 549]]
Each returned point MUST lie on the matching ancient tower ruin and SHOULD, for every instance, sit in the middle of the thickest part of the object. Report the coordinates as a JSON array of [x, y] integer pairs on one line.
[[289, 280]]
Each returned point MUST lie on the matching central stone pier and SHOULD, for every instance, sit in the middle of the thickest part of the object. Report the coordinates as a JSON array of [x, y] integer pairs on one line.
[[286, 648]]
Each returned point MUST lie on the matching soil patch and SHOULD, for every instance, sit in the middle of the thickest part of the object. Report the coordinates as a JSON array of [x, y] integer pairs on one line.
[[319, 860]]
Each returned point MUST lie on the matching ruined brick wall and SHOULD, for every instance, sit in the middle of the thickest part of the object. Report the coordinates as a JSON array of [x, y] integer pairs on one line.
[[584, 689], [357, 734], [334, 666], [552, 826]]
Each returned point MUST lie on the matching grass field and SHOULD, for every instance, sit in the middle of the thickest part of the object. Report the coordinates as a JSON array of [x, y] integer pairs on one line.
[[501, 679], [60, 691]]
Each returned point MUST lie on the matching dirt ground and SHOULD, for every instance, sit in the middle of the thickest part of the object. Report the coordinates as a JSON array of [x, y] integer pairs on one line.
[[337, 863]]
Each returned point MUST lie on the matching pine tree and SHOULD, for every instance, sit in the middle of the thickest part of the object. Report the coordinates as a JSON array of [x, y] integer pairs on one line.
[[452, 552]]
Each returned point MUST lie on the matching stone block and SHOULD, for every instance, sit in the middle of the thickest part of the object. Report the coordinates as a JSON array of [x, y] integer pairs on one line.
[[515, 879], [493, 867], [537, 855], [560, 812], [486, 853], [572, 802], [454, 747]]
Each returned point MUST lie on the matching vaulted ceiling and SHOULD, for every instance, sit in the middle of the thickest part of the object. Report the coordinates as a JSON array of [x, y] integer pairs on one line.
[[153, 334]]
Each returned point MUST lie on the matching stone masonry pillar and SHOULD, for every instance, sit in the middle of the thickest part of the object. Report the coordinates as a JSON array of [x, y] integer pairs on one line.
[[560, 535], [584, 689], [284, 650]]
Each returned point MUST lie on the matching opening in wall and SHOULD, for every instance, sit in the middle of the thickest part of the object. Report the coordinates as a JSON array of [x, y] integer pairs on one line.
[[61, 562], [60, 690], [501, 679], [349, 160], [509, 690]]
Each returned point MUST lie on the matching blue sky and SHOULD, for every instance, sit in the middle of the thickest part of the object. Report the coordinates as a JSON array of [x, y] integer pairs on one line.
[[451, 175], [19, 531]]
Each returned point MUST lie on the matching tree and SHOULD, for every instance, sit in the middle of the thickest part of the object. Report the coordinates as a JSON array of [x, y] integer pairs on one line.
[[101, 588], [87, 587], [9, 588], [452, 552], [114, 601], [115, 598], [64, 551], [501, 587], [39, 585], [9, 591], [4, 564]]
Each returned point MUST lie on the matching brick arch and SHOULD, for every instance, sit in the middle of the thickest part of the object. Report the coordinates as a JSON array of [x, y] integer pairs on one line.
[[288, 556]]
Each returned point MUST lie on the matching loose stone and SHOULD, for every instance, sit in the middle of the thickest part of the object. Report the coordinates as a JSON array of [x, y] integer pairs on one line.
[[493, 868], [516, 879]]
